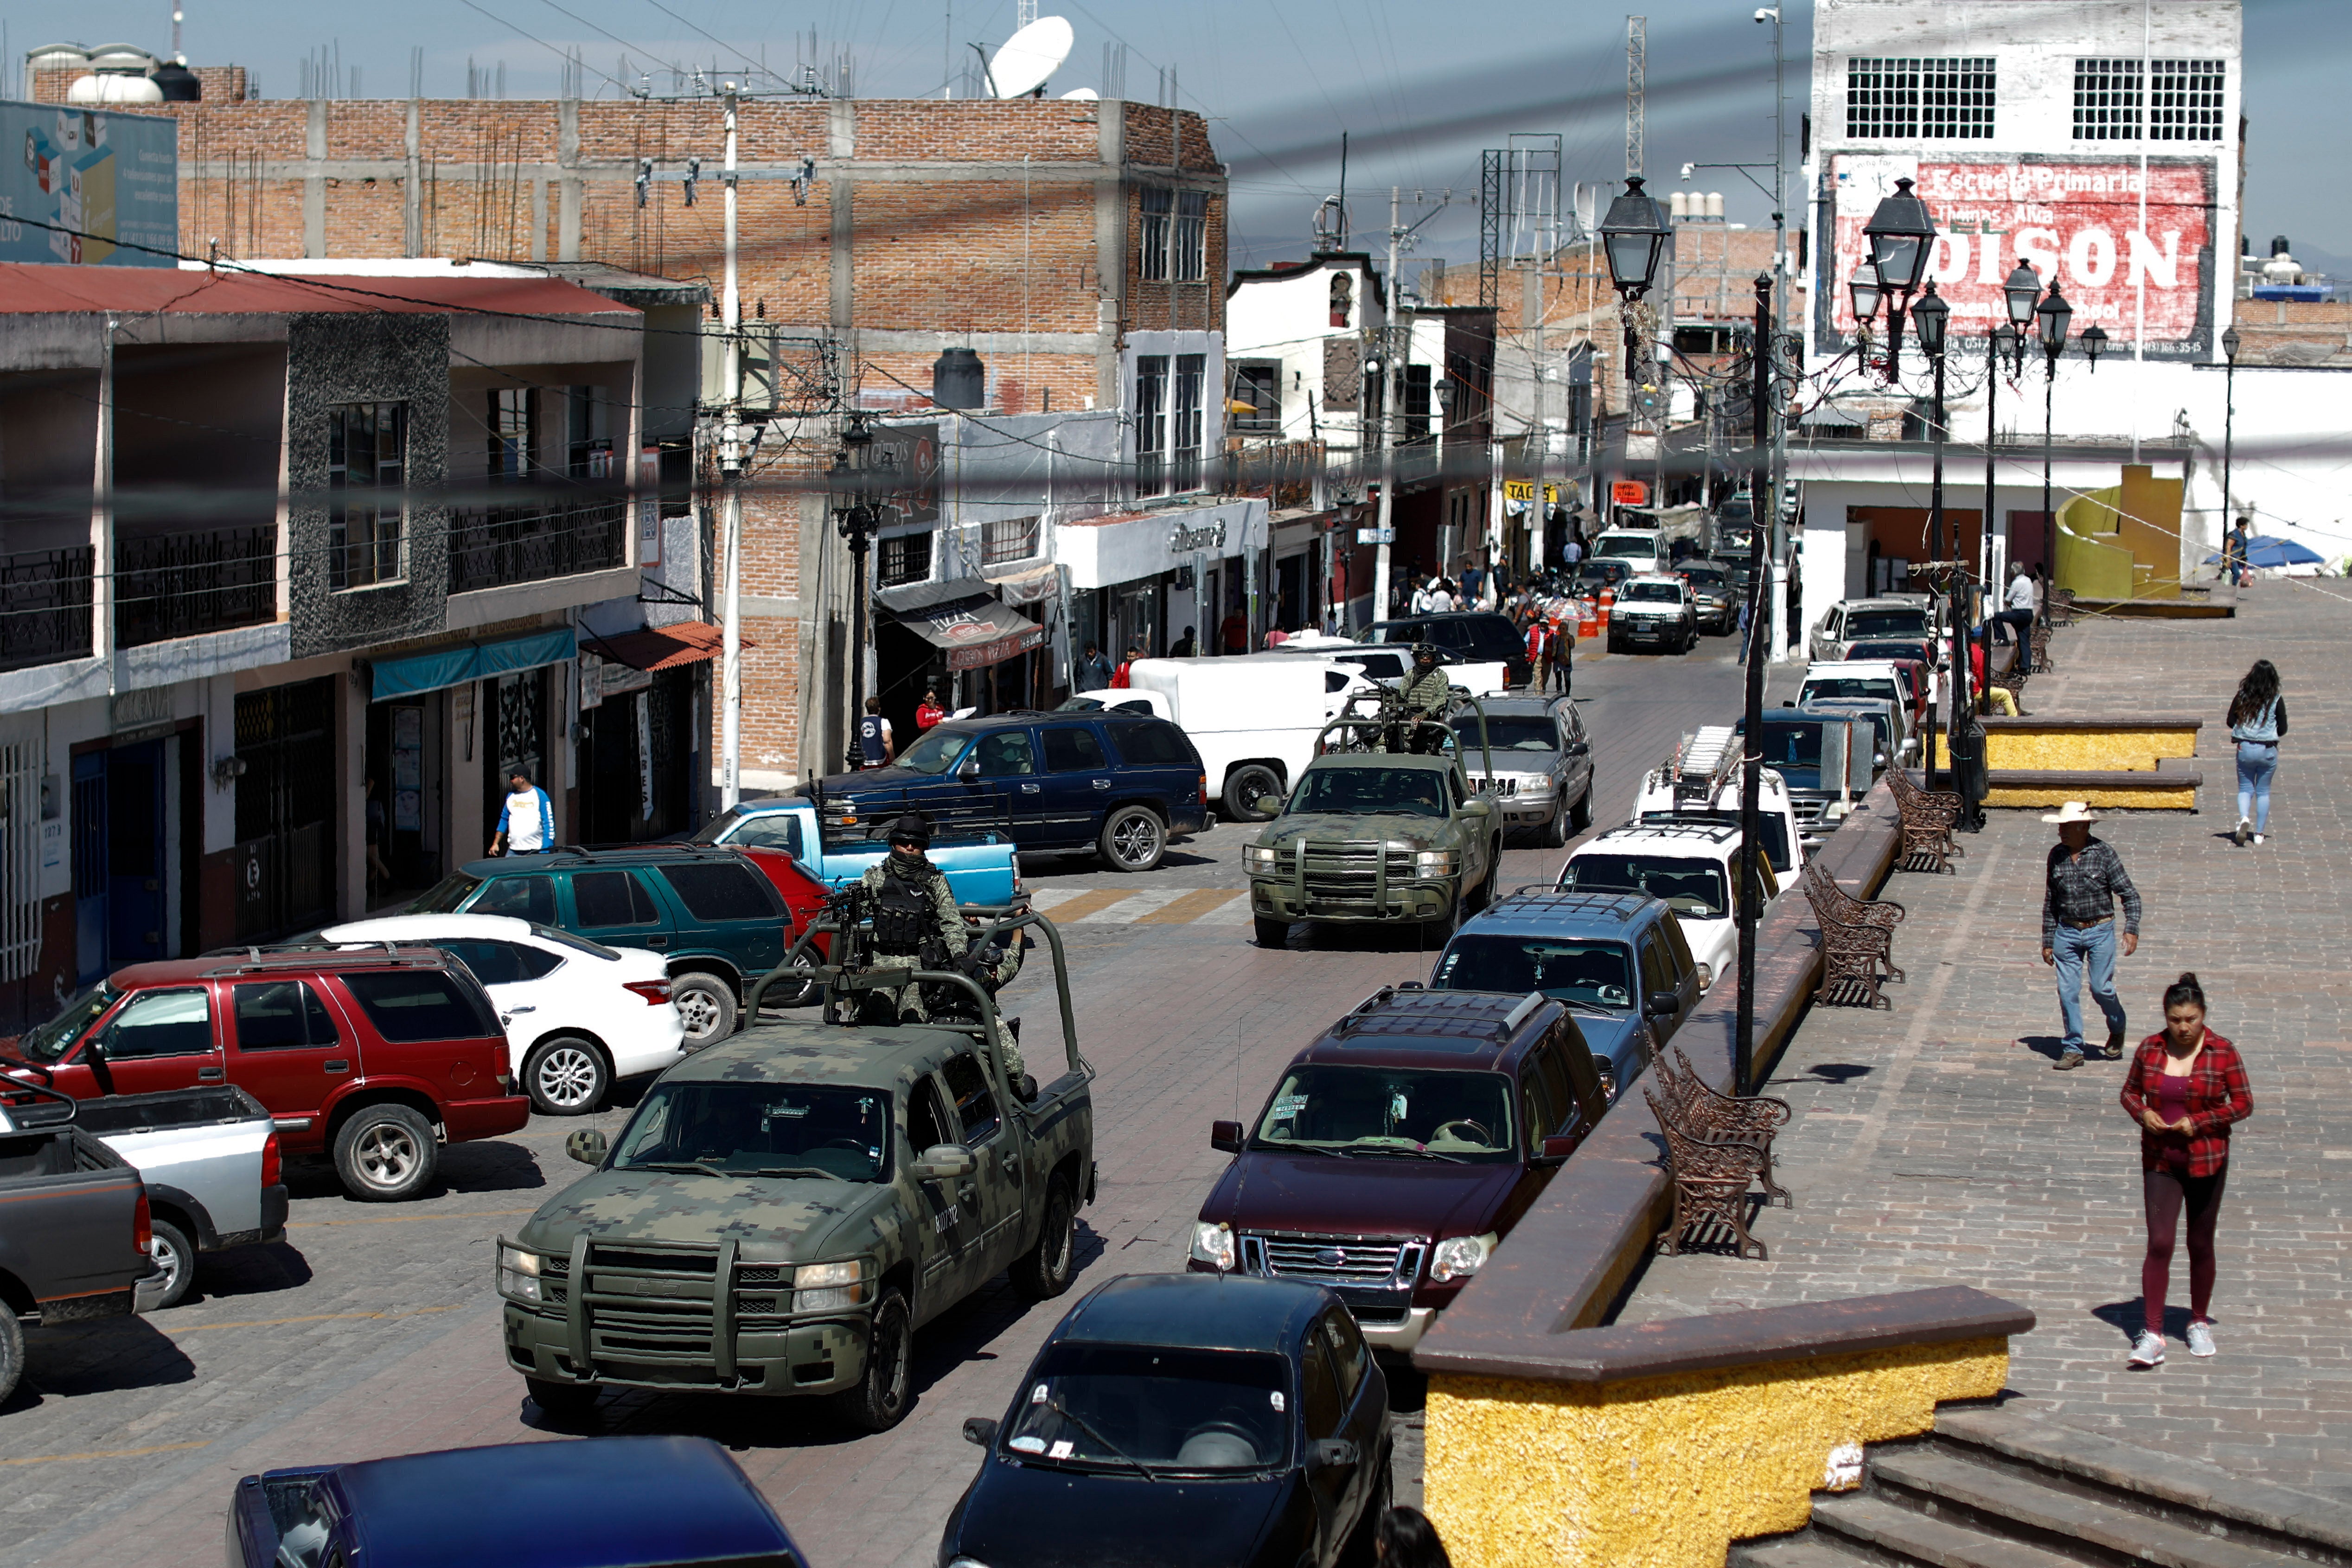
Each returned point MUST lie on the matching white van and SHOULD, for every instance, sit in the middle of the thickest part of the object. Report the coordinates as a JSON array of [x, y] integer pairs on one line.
[[1644, 550], [1253, 717]]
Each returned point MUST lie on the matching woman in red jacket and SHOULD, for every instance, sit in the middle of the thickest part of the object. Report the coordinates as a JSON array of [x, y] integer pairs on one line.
[[2185, 1088]]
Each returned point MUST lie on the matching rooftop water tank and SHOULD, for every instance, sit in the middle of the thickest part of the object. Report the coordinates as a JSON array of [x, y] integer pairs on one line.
[[178, 83], [128, 57], [58, 57], [958, 380], [113, 87]]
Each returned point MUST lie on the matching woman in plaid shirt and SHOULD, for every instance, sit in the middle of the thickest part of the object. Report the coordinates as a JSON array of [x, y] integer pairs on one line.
[[2185, 1088]]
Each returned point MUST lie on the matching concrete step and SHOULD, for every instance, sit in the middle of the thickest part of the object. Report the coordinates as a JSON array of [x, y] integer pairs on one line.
[[1809, 1549], [1885, 1532], [1963, 1491]]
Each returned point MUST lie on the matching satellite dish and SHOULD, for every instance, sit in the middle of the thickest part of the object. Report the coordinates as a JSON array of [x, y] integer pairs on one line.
[[1085, 94], [1030, 55]]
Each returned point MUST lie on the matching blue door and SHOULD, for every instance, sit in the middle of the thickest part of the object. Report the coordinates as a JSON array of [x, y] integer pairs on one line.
[[1078, 783]]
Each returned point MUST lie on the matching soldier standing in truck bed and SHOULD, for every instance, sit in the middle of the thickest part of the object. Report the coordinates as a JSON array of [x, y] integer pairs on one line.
[[915, 917], [1424, 695]]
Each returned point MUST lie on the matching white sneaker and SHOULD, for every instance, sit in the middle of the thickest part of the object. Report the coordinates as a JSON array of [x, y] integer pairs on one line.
[[2258, 839], [2245, 830], [2147, 1349], [2200, 1339]]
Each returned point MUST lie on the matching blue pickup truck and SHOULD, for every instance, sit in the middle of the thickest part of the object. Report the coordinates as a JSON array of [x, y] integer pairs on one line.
[[599, 1503], [981, 868]]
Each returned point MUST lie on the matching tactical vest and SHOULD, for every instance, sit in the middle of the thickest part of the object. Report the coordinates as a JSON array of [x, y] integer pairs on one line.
[[904, 917]]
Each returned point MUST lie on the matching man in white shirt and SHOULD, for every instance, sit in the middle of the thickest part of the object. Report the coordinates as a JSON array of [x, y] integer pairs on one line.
[[2018, 609], [527, 820]]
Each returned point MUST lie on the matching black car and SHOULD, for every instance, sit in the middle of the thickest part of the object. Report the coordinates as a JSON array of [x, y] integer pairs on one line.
[[1120, 784], [1717, 595], [1480, 637], [1188, 1420]]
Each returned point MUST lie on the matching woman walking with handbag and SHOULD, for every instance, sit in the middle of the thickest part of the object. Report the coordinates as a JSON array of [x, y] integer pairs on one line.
[[2187, 1086], [2257, 724]]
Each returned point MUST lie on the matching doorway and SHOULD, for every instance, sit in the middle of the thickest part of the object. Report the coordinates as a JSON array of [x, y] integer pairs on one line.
[[405, 796], [285, 809]]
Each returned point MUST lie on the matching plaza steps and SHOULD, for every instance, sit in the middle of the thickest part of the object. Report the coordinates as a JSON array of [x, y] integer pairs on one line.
[[1992, 1490]]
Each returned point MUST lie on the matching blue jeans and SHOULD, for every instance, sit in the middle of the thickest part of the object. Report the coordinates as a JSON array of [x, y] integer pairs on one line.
[[2071, 949], [2257, 762]]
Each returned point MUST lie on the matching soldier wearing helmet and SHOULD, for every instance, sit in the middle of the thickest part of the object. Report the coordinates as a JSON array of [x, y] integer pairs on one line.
[[915, 917], [1423, 697]]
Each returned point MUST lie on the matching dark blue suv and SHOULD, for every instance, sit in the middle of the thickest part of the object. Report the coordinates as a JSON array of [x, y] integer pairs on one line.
[[1122, 785], [1618, 960]]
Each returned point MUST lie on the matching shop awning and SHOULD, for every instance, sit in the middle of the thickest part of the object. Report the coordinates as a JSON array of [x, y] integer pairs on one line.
[[663, 648], [464, 662], [963, 619]]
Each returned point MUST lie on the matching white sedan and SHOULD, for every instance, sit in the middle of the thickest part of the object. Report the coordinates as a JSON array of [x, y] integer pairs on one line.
[[578, 1015]]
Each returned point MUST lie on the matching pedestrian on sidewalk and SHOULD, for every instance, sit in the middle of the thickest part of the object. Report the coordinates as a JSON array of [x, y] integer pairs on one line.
[[2258, 723], [2084, 880], [526, 819], [2187, 1085]]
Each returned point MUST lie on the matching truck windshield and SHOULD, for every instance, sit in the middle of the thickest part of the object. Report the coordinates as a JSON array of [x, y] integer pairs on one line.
[[1706, 576], [1774, 830], [1791, 745], [1507, 734], [1885, 624], [1633, 547], [1650, 593], [1370, 792], [832, 1133], [1135, 1408], [47, 1042], [1600, 974], [1849, 686], [444, 898], [935, 754], [1695, 888], [1464, 1116]]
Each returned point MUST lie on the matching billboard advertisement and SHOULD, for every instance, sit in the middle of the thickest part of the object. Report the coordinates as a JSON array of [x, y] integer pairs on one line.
[[2076, 220], [93, 184]]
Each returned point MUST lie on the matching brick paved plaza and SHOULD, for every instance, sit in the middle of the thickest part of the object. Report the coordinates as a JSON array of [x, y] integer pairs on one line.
[[1933, 1144]]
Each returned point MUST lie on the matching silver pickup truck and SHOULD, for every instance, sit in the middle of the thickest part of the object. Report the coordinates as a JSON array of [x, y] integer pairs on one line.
[[209, 1159]]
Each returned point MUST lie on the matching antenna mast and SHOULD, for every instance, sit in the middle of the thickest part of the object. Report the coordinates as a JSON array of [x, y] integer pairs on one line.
[[1637, 50]]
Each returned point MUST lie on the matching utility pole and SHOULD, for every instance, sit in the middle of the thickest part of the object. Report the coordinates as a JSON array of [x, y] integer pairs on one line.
[[1388, 409], [1538, 432], [731, 457], [1781, 552], [1637, 50], [1752, 772]]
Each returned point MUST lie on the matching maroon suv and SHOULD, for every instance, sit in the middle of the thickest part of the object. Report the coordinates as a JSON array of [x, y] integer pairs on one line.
[[1399, 1149], [374, 1058]]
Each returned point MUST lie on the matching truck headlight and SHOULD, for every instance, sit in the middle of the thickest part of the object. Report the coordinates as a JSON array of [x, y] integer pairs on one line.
[[829, 1287], [1260, 857], [1214, 1245], [1433, 863], [1459, 1257], [519, 1274]]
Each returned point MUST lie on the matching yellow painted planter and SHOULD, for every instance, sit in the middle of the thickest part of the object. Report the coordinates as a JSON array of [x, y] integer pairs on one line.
[[1666, 1472], [2182, 798], [2121, 749]]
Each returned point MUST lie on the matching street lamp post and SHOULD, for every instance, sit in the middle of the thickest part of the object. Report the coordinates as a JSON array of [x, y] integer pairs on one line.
[[1751, 772], [1901, 235], [1863, 287], [1634, 236], [1931, 316], [2053, 316], [857, 521], [2230, 343], [2022, 293]]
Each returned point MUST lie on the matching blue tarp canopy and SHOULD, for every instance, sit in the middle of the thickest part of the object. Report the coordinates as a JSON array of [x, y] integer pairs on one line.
[[2264, 550], [446, 667]]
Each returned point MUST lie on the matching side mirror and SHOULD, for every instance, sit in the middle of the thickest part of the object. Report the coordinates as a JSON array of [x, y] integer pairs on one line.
[[1664, 1006], [1267, 805], [968, 769], [1559, 1147], [1330, 1454], [1477, 807], [980, 1430], [1706, 977], [588, 1146], [94, 1050], [942, 1163], [1225, 1137], [1608, 1082]]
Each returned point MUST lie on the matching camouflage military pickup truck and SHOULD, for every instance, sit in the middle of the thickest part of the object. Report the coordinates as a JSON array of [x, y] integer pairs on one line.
[[785, 1209], [1373, 832]]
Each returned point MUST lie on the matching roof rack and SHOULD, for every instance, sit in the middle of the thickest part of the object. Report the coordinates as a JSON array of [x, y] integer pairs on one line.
[[258, 963], [1453, 1020]]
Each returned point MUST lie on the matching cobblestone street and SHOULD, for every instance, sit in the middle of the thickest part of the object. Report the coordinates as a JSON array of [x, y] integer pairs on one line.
[[1933, 1144]]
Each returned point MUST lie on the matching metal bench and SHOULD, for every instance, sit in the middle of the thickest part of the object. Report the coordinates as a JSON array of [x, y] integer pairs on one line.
[[1752, 1119], [1929, 818], [1710, 1177], [1857, 942]]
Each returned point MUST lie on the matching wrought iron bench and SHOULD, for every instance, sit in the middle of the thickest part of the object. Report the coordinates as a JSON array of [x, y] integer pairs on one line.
[[1752, 1119], [1711, 1177], [1857, 943], [1929, 818]]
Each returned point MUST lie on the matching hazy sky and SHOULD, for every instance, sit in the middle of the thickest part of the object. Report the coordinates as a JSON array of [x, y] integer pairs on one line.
[[1421, 89]]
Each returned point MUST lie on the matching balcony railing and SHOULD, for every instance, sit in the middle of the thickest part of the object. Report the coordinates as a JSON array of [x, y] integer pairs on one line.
[[44, 606], [184, 585], [491, 547]]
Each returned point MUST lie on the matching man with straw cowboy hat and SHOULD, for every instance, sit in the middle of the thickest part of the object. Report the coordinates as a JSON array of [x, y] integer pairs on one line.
[[2084, 878]]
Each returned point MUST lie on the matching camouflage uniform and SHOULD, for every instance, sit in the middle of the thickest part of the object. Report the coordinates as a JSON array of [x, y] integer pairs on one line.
[[953, 935], [1422, 695]]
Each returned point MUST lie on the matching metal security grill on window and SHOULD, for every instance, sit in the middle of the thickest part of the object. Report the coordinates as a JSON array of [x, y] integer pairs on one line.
[[2184, 100], [367, 451], [906, 559], [1188, 421], [2107, 99], [1008, 539], [1151, 424], [1151, 250], [20, 859], [1905, 100], [1258, 398], [1191, 236]]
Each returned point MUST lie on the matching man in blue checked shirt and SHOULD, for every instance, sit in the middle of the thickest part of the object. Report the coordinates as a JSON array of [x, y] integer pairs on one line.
[[527, 821]]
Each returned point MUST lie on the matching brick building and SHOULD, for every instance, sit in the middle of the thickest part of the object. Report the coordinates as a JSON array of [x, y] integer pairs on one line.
[[1079, 246]]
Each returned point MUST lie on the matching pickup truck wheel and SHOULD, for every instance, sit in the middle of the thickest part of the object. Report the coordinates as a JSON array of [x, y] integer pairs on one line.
[[385, 1153], [706, 1004], [176, 1256], [12, 1352], [1044, 1272], [1580, 815], [1555, 828], [565, 1401], [1134, 839], [879, 1400], [565, 1075], [1243, 787], [1271, 933]]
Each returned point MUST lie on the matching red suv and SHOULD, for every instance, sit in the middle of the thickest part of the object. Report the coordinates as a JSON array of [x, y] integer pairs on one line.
[[374, 1058]]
